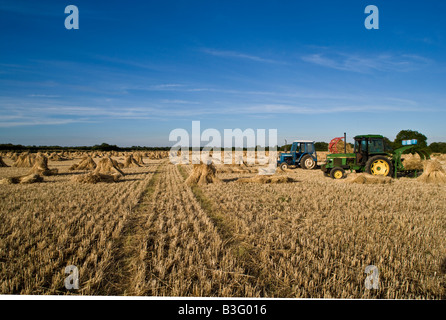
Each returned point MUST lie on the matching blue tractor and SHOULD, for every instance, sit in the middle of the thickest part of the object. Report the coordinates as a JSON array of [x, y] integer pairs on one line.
[[303, 154]]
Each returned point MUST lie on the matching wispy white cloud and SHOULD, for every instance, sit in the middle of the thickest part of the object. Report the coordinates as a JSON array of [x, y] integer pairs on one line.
[[290, 93], [238, 55], [164, 86], [36, 122], [67, 115], [317, 109], [183, 101], [129, 62], [178, 101], [369, 63], [43, 96], [57, 114]]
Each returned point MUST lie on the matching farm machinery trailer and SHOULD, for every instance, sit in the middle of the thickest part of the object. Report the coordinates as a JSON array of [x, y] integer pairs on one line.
[[371, 156]]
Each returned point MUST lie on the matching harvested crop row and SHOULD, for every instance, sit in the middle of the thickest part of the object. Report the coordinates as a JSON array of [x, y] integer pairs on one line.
[[314, 238], [183, 252], [46, 227]]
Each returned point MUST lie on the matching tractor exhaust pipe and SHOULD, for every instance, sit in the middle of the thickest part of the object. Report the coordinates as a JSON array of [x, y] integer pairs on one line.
[[345, 142]]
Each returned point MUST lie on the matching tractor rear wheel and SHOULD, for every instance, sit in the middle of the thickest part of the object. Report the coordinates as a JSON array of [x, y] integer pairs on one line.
[[337, 173], [379, 166], [307, 162]]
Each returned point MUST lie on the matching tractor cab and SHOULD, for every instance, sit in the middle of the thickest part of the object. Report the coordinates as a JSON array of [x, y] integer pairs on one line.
[[302, 153], [367, 146]]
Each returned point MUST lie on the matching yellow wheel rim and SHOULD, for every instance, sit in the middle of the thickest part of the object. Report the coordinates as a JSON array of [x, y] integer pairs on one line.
[[380, 168], [338, 174]]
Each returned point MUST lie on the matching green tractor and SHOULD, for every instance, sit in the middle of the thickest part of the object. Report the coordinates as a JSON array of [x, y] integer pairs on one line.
[[371, 155]]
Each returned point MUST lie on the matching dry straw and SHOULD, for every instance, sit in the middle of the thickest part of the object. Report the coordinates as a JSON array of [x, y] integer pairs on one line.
[[87, 163], [24, 160], [203, 174], [106, 171], [56, 157], [340, 147], [280, 170], [365, 178], [235, 168], [40, 166], [96, 177], [266, 179], [2, 164], [13, 156], [139, 158], [32, 178], [411, 162], [108, 165], [433, 172], [117, 164], [131, 162]]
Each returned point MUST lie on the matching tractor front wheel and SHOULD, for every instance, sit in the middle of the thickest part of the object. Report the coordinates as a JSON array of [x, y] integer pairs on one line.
[[337, 173], [307, 162], [379, 166], [284, 166]]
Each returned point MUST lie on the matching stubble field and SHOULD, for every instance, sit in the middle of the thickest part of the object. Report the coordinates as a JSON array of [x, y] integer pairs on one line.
[[153, 234]]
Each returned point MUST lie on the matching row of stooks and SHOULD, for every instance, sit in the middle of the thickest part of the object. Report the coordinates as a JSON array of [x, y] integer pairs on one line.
[[109, 170], [65, 155], [106, 170]]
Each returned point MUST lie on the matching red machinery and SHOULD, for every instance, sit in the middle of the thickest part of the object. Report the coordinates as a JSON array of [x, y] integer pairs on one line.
[[333, 145]]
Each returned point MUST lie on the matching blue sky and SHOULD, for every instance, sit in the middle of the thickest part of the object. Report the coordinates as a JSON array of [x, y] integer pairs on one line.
[[135, 70]]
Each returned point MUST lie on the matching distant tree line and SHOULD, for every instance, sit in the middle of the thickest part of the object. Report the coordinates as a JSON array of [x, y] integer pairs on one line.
[[98, 147], [438, 147], [435, 147]]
